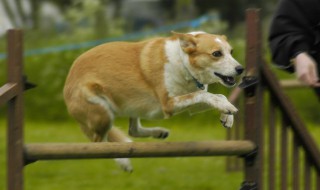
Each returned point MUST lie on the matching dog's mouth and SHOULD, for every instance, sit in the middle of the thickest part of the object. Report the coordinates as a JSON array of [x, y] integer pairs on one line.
[[228, 80]]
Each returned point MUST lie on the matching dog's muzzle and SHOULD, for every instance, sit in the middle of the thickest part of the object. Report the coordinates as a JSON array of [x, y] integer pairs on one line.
[[228, 80]]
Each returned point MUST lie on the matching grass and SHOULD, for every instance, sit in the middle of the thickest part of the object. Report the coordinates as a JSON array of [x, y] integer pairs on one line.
[[149, 173]]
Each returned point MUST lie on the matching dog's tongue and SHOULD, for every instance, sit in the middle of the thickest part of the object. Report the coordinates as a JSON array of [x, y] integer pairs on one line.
[[230, 79]]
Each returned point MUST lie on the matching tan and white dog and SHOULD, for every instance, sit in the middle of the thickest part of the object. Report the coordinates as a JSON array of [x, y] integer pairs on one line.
[[151, 79]]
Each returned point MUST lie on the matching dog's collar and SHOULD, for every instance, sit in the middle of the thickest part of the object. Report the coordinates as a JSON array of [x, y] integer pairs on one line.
[[199, 84]]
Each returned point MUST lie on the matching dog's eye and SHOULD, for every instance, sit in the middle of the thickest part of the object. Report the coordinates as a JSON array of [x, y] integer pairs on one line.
[[231, 51], [217, 54]]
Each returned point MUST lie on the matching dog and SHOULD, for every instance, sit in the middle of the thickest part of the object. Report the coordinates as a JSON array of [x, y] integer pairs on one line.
[[152, 79]]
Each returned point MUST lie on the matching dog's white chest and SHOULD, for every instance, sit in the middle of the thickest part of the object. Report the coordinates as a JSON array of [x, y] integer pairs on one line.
[[176, 81]]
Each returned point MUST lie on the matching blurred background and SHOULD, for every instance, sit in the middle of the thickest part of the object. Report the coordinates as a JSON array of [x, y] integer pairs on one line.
[[56, 32]]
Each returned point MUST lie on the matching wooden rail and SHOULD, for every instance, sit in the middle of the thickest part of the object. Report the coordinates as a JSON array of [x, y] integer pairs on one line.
[[53, 151], [287, 152], [292, 83], [293, 135], [7, 92]]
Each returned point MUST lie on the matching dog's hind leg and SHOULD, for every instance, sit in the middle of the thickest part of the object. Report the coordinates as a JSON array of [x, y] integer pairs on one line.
[[136, 130], [96, 117], [101, 130], [116, 135]]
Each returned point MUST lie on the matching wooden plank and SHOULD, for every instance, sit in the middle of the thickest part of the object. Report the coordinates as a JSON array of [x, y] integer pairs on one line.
[[307, 173], [272, 144], [296, 123], [253, 99], [7, 92], [235, 94], [50, 151], [295, 164], [292, 83], [284, 154], [15, 160]]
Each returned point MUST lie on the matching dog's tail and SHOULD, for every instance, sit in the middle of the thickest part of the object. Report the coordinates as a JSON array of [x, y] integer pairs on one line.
[[116, 135]]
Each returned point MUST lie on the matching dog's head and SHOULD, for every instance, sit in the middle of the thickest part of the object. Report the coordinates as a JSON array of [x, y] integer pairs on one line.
[[209, 58]]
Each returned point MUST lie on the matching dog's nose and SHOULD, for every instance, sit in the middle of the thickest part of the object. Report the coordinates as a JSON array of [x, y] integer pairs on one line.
[[239, 69]]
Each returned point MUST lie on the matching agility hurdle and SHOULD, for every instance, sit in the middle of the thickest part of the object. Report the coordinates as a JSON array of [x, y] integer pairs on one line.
[[20, 154], [287, 157], [251, 149], [57, 151]]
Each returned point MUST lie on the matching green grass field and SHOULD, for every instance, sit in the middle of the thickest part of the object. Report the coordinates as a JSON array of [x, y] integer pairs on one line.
[[198, 173], [149, 173]]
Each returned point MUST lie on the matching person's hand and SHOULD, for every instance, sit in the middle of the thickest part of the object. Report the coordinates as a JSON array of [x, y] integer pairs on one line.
[[306, 69]]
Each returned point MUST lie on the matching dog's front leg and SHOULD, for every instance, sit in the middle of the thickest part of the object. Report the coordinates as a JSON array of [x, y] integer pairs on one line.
[[137, 130], [204, 101]]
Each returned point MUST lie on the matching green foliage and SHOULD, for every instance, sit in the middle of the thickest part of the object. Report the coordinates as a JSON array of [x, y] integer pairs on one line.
[[49, 71]]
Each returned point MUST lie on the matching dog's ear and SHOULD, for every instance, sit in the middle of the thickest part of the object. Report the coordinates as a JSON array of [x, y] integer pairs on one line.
[[224, 37], [187, 42]]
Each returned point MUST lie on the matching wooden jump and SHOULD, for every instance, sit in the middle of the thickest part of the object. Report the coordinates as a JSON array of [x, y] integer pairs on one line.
[[58, 151], [20, 153], [252, 150]]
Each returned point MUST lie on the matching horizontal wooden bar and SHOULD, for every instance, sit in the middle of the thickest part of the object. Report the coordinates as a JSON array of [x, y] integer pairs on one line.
[[292, 83], [54, 151], [7, 92]]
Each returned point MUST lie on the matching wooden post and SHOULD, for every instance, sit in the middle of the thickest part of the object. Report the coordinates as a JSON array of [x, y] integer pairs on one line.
[[253, 102], [15, 112]]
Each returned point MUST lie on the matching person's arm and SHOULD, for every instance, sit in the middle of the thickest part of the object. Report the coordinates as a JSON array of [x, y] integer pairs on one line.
[[291, 31], [306, 69]]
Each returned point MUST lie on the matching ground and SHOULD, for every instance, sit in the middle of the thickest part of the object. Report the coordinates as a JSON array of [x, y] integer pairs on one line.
[[149, 173]]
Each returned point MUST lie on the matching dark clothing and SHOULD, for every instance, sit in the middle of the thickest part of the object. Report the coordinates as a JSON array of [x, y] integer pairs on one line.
[[295, 28]]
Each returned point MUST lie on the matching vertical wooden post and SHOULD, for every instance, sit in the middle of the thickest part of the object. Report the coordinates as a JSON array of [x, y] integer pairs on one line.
[[272, 144], [253, 101], [15, 112], [284, 153]]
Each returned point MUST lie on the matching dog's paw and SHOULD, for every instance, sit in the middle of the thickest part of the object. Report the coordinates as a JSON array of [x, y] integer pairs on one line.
[[225, 106], [125, 164], [159, 132], [226, 120], [228, 108]]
